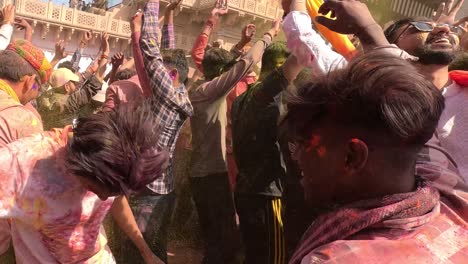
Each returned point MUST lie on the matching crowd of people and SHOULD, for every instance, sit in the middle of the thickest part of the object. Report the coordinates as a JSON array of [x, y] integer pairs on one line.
[[314, 157]]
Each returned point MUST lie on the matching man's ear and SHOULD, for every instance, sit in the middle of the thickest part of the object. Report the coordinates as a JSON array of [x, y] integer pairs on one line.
[[29, 83], [356, 156], [174, 74]]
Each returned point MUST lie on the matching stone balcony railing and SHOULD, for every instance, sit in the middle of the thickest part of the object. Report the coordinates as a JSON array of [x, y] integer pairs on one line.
[[259, 8], [48, 13], [63, 16]]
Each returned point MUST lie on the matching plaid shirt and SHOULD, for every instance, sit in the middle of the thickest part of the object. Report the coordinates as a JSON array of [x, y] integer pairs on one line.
[[171, 106], [167, 39]]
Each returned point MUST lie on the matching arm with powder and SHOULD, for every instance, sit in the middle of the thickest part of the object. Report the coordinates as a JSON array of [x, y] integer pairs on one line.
[[124, 218]]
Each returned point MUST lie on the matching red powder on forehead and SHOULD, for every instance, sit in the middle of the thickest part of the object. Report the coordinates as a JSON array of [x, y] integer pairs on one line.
[[355, 140], [314, 142]]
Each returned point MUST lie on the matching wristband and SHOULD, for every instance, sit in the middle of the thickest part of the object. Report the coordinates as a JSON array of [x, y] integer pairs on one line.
[[269, 34], [104, 57]]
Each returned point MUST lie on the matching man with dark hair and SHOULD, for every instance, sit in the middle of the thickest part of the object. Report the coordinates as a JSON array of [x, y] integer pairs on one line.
[[259, 184], [436, 44], [64, 101], [358, 133], [23, 70], [56, 191], [165, 76], [208, 177]]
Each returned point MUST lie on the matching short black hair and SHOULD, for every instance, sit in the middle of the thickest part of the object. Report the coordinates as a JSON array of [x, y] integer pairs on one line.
[[175, 58], [391, 30], [117, 149], [377, 93], [215, 62], [67, 65], [125, 74], [13, 67]]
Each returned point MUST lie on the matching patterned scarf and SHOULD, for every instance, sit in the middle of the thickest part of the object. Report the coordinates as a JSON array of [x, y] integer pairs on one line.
[[355, 217], [7, 89]]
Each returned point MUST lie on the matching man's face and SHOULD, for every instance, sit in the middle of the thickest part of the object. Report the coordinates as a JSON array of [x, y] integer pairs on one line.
[[321, 157], [70, 87], [435, 47]]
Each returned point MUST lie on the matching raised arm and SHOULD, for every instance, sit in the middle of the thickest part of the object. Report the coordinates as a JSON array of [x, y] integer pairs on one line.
[[198, 49], [248, 32], [167, 31], [124, 218], [60, 53], [22, 24], [160, 81], [116, 62], [136, 24], [223, 84], [6, 30], [86, 37], [306, 44]]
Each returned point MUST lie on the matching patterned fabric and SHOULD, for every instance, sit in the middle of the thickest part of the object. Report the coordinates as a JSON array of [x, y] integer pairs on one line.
[[172, 106], [167, 39], [428, 225], [254, 133], [54, 219], [34, 56]]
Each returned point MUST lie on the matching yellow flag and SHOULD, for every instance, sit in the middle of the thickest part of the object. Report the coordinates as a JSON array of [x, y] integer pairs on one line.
[[340, 42]]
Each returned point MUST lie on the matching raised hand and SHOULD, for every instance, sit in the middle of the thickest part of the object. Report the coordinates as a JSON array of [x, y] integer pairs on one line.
[[136, 21], [22, 24], [173, 5], [104, 43], [352, 16], [447, 12], [220, 8], [247, 33], [8, 14], [117, 60], [275, 27], [60, 50]]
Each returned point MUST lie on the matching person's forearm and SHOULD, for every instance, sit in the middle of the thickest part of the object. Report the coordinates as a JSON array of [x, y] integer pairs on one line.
[[76, 58], [169, 17], [124, 218], [167, 37], [291, 68], [139, 65], [28, 34], [372, 36]]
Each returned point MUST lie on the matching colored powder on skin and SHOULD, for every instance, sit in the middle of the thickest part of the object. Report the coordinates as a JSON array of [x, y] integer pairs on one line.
[[314, 142], [321, 151], [34, 122], [421, 36], [39, 207]]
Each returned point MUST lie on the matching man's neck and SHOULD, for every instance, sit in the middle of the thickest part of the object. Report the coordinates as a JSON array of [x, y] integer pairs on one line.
[[438, 74]]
